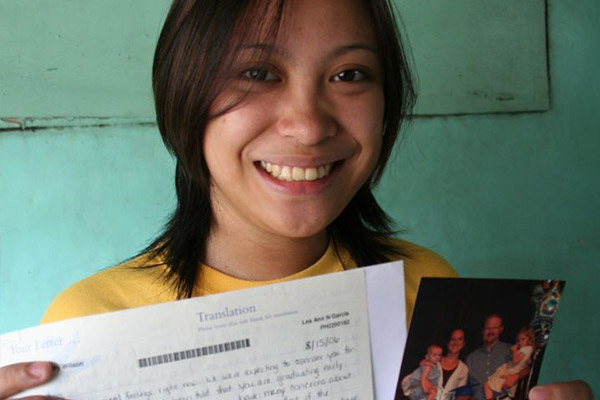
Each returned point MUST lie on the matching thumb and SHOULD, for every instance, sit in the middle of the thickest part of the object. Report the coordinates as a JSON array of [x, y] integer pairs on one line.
[[573, 390]]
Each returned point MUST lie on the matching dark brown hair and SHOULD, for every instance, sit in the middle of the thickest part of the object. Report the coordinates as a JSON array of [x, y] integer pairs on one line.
[[192, 62]]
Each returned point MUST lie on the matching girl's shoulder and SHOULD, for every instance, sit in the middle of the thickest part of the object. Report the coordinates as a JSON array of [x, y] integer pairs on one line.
[[421, 261], [130, 284]]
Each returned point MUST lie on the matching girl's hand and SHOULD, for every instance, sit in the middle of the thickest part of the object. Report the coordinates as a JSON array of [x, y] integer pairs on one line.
[[16, 378], [573, 390]]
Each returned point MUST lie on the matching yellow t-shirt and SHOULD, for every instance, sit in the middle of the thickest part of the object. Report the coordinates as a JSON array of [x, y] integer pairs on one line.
[[129, 285]]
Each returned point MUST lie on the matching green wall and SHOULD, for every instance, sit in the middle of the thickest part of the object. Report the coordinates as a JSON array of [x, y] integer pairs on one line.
[[507, 195]]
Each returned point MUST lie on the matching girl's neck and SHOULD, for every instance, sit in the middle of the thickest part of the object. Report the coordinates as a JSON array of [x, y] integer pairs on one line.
[[260, 256]]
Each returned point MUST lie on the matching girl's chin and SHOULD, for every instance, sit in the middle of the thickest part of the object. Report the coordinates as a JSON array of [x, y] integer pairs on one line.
[[291, 228], [307, 234]]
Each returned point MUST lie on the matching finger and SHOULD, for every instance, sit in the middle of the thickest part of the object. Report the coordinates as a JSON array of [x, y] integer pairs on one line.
[[573, 390], [18, 377]]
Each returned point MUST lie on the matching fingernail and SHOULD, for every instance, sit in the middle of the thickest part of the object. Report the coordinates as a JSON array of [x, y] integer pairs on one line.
[[55, 367], [538, 393], [36, 370]]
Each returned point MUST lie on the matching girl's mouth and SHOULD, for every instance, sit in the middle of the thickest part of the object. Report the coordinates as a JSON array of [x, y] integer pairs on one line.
[[296, 174]]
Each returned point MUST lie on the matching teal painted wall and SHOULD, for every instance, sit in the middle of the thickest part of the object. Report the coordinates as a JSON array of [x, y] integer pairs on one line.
[[90, 58], [512, 195]]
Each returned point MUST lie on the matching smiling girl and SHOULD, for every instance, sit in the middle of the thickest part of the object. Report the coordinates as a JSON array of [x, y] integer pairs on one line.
[[282, 116]]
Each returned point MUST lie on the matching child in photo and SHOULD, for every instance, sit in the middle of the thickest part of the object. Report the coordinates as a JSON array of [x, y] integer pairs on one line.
[[422, 382], [521, 358]]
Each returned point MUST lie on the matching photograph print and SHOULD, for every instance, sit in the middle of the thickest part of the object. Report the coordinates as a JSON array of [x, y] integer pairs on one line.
[[477, 339]]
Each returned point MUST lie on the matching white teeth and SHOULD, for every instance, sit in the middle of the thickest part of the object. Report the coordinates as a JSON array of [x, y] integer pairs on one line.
[[310, 174], [287, 173], [298, 174], [321, 171], [276, 170]]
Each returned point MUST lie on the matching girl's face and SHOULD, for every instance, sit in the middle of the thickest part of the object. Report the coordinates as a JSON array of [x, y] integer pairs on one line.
[[523, 340], [307, 135]]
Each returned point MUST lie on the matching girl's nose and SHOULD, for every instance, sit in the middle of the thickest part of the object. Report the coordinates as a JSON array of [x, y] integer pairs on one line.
[[305, 116]]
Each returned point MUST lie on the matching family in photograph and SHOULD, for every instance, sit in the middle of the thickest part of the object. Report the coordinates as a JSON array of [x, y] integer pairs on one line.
[[491, 371]]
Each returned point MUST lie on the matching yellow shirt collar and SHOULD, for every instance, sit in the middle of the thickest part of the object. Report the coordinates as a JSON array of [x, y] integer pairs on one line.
[[212, 281]]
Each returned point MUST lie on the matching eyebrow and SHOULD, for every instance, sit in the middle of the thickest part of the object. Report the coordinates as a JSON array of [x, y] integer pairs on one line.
[[353, 47], [268, 48], [337, 52]]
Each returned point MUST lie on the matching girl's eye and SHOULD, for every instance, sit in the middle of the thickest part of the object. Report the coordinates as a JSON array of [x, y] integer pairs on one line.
[[350, 75], [258, 74]]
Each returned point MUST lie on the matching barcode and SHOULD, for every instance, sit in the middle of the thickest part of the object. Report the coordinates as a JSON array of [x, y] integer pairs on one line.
[[193, 353]]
